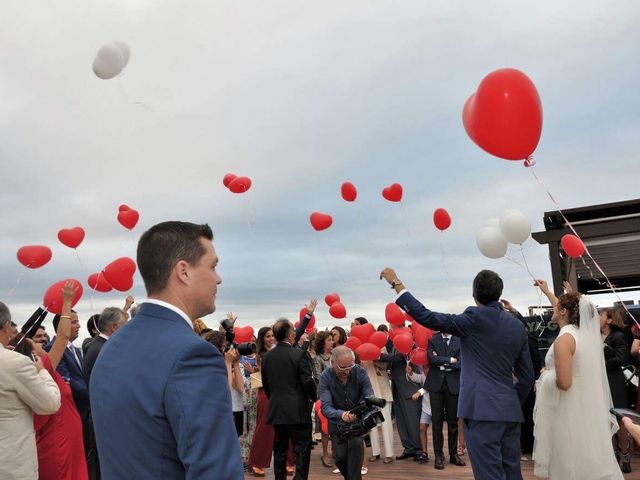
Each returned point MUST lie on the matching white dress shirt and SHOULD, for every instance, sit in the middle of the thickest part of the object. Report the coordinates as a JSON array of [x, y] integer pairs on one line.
[[164, 304]]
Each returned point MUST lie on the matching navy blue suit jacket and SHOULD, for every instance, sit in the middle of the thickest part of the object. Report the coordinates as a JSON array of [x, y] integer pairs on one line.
[[494, 349], [440, 356], [161, 403], [68, 368]]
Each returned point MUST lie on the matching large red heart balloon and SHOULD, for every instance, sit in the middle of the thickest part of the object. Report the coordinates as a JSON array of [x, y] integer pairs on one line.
[[394, 314], [331, 299], [240, 184], [243, 334], [368, 352], [128, 218], [504, 116], [441, 219], [419, 357], [393, 192], [573, 245], [34, 256], [228, 178], [379, 339], [52, 300], [320, 221], [422, 336], [394, 332], [363, 332], [119, 273], [71, 237], [403, 343], [337, 310], [312, 322], [353, 343], [349, 191], [99, 283]]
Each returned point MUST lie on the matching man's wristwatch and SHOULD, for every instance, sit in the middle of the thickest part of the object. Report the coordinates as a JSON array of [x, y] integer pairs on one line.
[[395, 282]]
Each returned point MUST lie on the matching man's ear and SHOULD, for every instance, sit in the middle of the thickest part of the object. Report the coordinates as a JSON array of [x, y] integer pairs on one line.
[[181, 271]]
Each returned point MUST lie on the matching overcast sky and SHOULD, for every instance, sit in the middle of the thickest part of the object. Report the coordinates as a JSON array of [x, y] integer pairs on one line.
[[302, 96]]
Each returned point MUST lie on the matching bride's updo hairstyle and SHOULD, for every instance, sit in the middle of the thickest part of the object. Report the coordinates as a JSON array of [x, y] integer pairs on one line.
[[571, 301]]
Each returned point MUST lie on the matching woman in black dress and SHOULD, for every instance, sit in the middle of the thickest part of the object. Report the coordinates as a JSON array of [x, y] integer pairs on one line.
[[615, 356]]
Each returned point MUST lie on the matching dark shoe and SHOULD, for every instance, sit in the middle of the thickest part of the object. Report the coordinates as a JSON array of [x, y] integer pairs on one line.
[[626, 462], [439, 463], [456, 460], [374, 458], [422, 457], [388, 460], [404, 455]]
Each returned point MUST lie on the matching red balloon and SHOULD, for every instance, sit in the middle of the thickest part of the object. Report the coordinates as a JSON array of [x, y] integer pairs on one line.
[[573, 246], [337, 310], [320, 221], [441, 219], [368, 352], [240, 184], [34, 256], [353, 343], [228, 178], [99, 283], [243, 334], [349, 191], [403, 343], [124, 207], [128, 218], [332, 298], [52, 300], [119, 273], [312, 322], [393, 192], [394, 314], [379, 339], [363, 332], [394, 332], [419, 357], [504, 116], [422, 337], [71, 237]]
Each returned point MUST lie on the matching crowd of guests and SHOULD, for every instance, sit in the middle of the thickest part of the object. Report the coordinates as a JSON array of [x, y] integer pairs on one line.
[[57, 422]]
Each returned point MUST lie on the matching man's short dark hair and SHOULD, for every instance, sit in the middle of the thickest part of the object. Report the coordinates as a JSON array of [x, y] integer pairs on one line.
[[162, 246], [92, 324], [487, 287], [56, 320], [360, 320], [215, 338], [282, 329]]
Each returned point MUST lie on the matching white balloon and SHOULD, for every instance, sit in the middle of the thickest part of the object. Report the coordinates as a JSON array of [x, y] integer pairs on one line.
[[108, 62], [126, 52], [493, 222], [491, 243], [515, 226]]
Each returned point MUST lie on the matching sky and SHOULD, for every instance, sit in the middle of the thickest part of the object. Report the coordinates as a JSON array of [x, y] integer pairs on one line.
[[302, 96]]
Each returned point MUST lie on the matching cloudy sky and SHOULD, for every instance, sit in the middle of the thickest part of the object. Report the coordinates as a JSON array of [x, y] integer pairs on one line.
[[302, 96]]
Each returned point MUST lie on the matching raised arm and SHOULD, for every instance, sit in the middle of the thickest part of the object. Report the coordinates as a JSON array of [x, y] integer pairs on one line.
[[313, 303], [544, 287], [63, 334]]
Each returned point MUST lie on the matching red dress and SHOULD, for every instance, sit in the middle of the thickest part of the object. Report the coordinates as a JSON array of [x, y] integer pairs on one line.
[[59, 437]]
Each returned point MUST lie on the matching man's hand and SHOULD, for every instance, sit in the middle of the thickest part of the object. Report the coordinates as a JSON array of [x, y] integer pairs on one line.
[[232, 318], [507, 305], [232, 355], [409, 370], [416, 395], [389, 275], [454, 360], [348, 417], [313, 303], [129, 301]]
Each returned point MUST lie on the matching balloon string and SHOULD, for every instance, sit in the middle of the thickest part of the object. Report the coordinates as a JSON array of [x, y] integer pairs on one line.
[[530, 164], [526, 265], [442, 261], [18, 280], [406, 222], [250, 214], [125, 97], [85, 273]]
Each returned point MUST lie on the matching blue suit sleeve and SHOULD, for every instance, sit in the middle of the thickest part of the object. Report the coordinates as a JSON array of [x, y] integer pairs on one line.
[[437, 360], [457, 325], [523, 371], [197, 404], [302, 327]]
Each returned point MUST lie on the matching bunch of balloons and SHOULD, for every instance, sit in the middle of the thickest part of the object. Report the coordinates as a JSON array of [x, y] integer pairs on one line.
[[236, 184], [493, 239]]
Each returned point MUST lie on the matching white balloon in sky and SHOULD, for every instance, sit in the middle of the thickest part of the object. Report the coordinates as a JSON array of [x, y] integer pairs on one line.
[[109, 62], [126, 52], [515, 226], [493, 222], [491, 243]]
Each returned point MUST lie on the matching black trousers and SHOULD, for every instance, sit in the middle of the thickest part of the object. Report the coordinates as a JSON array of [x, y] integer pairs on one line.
[[300, 437], [348, 455], [444, 404], [91, 449], [526, 433]]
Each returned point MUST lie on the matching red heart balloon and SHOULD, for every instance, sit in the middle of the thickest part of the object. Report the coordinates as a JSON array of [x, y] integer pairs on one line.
[[422, 336], [504, 116], [368, 352], [312, 322], [379, 339], [128, 218], [52, 300], [99, 283], [71, 237], [349, 191], [240, 184], [353, 343], [119, 273], [573, 246], [331, 299], [394, 332], [243, 334], [403, 343], [441, 219], [337, 310], [394, 314], [362, 332], [228, 178], [320, 221], [393, 192], [419, 357], [124, 207], [34, 256]]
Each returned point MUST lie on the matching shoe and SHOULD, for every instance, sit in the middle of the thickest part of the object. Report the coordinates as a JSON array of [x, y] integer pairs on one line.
[[422, 457], [364, 471], [337, 470], [257, 472], [326, 464], [291, 470], [456, 460], [388, 460], [404, 455], [626, 462], [439, 463], [375, 458], [462, 450]]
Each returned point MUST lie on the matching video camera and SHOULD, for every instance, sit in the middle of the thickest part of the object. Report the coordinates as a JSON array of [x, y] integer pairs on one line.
[[245, 349], [369, 416]]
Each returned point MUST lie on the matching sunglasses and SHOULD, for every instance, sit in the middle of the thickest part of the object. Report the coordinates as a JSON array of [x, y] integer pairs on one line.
[[345, 369]]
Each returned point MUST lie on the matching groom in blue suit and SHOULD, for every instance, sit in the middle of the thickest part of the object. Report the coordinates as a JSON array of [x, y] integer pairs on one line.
[[160, 396], [497, 373]]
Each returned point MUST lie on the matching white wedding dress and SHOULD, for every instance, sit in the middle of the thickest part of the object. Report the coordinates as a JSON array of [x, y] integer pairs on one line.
[[573, 428]]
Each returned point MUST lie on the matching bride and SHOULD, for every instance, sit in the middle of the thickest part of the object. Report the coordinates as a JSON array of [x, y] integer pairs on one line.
[[573, 426]]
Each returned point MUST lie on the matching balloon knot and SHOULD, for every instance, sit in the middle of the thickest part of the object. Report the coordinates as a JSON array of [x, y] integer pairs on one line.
[[529, 161]]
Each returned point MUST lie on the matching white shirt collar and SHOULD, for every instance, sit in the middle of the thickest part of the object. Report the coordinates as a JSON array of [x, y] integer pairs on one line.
[[71, 345], [446, 336], [164, 304], [106, 337]]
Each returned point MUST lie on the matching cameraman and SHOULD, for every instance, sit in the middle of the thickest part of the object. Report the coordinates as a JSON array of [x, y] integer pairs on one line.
[[342, 387]]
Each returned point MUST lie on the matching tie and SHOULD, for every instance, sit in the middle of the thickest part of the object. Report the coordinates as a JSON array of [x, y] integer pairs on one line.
[[75, 355], [446, 342]]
